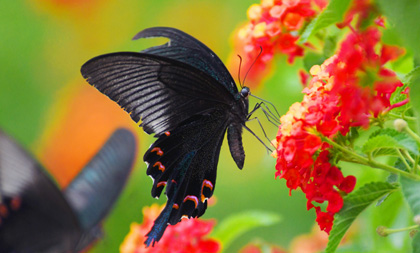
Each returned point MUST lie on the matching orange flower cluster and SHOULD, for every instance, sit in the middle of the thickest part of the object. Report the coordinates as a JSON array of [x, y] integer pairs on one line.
[[346, 91], [273, 26], [186, 236]]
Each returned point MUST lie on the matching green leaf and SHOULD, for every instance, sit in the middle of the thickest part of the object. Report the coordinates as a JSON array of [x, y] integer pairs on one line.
[[312, 59], [412, 79], [332, 14], [398, 95], [412, 76], [403, 15], [399, 164], [330, 43], [381, 145], [354, 204], [416, 243], [236, 225], [411, 189], [386, 141]]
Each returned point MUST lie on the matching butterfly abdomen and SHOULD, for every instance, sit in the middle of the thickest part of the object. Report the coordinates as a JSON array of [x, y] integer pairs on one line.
[[236, 148]]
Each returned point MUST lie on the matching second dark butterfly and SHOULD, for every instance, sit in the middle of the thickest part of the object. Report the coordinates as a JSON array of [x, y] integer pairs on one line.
[[181, 92], [36, 216]]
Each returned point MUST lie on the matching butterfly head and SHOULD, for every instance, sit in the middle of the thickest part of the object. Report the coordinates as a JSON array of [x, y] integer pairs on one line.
[[245, 92]]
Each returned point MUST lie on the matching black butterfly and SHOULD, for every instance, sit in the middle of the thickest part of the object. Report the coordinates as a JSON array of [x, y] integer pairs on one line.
[[35, 216], [181, 92]]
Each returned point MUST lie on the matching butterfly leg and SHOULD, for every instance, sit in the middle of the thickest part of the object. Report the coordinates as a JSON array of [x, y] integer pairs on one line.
[[256, 107], [271, 117], [258, 138]]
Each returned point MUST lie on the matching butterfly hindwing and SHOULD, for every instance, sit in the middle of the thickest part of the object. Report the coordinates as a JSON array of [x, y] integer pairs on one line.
[[188, 170], [35, 216], [185, 48], [160, 92]]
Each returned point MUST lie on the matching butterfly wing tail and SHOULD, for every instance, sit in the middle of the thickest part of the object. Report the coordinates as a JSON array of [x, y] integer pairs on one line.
[[159, 226], [173, 187]]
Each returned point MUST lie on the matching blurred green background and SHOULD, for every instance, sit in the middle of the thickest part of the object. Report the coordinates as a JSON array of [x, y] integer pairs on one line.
[[47, 106]]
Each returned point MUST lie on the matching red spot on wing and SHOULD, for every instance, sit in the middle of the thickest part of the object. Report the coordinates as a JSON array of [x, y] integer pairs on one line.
[[161, 167], [161, 183], [192, 198], [208, 184], [175, 206], [158, 151], [167, 133], [15, 203], [4, 212]]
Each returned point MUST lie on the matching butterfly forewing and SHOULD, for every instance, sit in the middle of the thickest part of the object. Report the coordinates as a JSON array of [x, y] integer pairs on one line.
[[187, 49], [160, 92]]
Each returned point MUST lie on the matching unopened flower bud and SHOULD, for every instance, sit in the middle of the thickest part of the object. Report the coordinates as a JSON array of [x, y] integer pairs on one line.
[[416, 219], [400, 124], [382, 231]]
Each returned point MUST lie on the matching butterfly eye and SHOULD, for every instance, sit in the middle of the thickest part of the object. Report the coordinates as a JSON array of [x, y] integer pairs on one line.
[[245, 92]]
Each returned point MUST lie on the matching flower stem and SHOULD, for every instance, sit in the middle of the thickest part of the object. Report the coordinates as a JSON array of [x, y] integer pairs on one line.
[[414, 162], [412, 134], [397, 116], [370, 162], [387, 231], [415, 166], [403, 159]]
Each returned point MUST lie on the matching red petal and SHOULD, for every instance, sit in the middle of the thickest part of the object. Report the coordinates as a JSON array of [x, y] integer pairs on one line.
[[389, 53], [348, 184]]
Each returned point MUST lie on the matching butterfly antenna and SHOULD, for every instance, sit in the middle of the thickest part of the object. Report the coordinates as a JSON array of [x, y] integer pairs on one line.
[[250, 67], [239, 71]]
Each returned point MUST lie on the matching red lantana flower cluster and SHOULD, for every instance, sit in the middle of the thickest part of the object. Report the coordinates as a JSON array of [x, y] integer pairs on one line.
[[273, 26], [347, 90], [187, 236]]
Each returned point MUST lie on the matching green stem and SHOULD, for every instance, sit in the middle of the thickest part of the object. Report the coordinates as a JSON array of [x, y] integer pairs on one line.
[[415, 165], [412, 134], [414, 162], [397, 230], [408, 156], [403, 159], [397, 116], [372, 163]]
